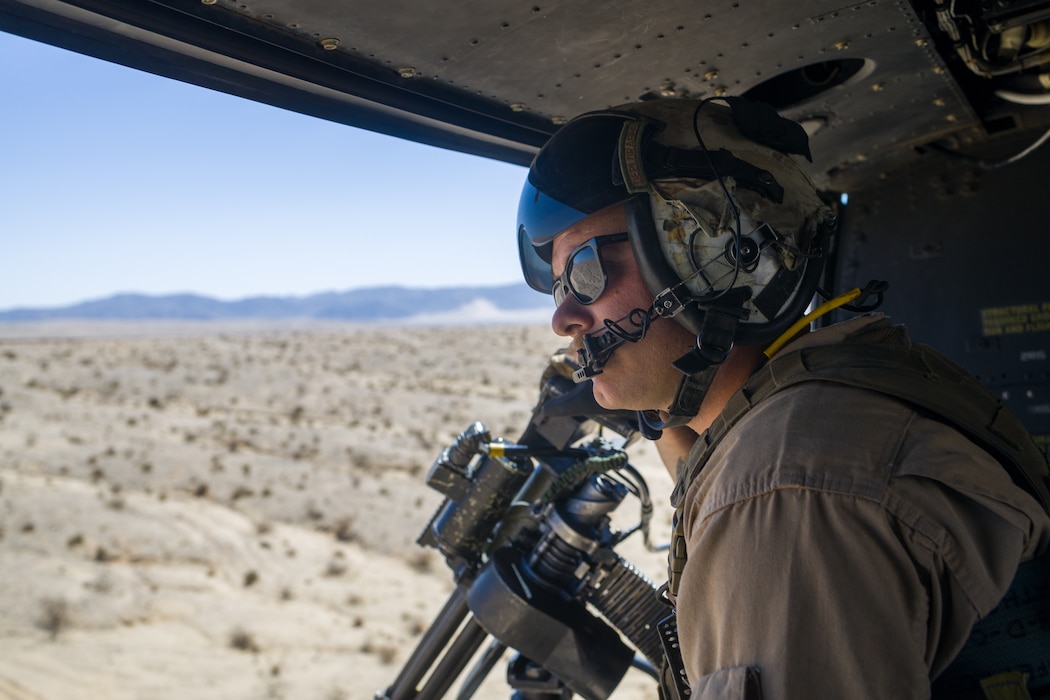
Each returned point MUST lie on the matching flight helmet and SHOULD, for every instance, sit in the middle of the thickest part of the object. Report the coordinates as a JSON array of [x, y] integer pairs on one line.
[[722, 219]]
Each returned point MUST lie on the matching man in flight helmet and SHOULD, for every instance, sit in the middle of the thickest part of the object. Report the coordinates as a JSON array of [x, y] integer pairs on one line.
[[840, 525]]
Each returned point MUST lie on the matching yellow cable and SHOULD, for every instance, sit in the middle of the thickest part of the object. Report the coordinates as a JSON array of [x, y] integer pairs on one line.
[[824, 308]]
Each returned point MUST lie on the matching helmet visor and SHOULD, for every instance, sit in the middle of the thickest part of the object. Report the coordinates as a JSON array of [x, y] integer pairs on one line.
[[540, 219], [576, 174]]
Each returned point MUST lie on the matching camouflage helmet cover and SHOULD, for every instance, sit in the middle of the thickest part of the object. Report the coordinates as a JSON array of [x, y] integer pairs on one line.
[[720, 211]]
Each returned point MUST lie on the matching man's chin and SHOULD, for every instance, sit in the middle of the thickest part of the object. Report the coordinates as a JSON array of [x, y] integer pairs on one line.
[[605, 395]]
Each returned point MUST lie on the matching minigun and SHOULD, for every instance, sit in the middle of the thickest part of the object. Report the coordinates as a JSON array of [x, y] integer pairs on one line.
[[525, 528]]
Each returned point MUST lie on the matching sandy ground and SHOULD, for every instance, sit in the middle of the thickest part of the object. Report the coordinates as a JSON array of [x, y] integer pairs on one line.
[[201, 511]]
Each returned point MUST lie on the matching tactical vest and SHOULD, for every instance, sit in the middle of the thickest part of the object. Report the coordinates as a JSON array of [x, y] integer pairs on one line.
[[883, 359]]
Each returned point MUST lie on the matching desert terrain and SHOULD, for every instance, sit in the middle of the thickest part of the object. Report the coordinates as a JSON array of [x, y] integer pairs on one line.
[[191, 510]]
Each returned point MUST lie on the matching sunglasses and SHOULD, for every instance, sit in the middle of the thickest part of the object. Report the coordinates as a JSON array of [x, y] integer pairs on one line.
[[584, 276]]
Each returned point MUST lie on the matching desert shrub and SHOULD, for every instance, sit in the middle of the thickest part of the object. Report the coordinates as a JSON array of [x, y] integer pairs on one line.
[[386, 653], [336, 566], [241, 492], [344, 530], [421, 562], [242, 640], [54, 616]]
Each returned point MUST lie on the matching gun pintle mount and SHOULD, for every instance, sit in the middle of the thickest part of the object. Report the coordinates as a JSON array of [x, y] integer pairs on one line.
[[525, 528]]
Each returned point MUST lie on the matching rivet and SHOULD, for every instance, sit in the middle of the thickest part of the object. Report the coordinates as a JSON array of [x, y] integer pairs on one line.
[[922, 42], [938, 70], [721, 91], [878, 87], [406, 72], [840, 45], [557, 120], [517, 107], [209, 2], [710, 75], [329, 44], [939, 102]]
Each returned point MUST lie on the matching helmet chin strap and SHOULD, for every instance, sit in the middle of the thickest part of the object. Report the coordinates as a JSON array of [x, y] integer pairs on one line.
[[598, 348], [698, 366], [690, 394]]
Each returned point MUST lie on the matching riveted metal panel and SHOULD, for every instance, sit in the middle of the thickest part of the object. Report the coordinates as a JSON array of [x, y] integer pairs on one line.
[[965, 250]]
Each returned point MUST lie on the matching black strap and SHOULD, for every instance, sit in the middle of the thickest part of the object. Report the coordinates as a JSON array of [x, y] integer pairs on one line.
[[663, 162], [1016, 635], [909, 371]]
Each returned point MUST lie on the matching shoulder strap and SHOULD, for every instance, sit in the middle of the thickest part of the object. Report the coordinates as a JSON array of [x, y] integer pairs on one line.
[[886, 361], [883, 359]]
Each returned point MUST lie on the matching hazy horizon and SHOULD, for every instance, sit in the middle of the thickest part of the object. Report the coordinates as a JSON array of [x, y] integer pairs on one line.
[[540, 298]]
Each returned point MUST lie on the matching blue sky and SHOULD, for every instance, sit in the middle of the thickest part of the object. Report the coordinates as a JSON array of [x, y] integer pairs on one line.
[[114, 180]]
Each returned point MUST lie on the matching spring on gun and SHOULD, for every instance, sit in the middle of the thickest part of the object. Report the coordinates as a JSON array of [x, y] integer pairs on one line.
[[629, 600], [556, 564]]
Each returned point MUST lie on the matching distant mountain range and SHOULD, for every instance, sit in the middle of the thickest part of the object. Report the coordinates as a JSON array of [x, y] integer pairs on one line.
[[370, 304]]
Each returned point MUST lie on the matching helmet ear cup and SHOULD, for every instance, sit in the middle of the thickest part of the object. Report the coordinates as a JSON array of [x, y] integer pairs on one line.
[[656, 271], [658, 275]]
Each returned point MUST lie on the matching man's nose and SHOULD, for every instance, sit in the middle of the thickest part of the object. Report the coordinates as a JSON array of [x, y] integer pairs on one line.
[[571, 318]]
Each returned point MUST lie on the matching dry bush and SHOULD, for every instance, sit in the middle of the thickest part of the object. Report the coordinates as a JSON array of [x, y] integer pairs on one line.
[[344, 530], [55, 616], [421, 562], [241, 640], [386, 653], [336, 565], [241, 492], [415, 627]]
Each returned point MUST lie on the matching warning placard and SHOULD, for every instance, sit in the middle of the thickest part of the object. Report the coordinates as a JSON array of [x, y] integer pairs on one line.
[[1011, 320]]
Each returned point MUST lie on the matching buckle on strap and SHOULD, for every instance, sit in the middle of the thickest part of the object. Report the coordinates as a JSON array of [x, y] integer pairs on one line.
[[674, 682]]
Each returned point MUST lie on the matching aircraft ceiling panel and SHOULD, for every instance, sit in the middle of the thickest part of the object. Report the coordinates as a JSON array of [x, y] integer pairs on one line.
[[552, 60], [876, 82]]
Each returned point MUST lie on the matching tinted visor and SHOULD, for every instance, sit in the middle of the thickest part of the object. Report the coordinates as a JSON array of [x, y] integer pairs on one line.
[[575, 175], [540, 219]]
